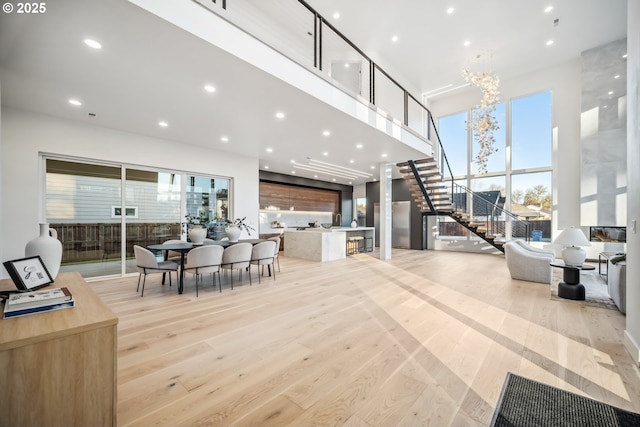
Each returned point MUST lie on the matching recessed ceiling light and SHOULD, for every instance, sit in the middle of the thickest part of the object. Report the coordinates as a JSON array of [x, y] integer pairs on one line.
[[373, 167], [269, 150], [92, 43], [548, 9], [163, 124], [466, 43], [617, 76], [451, 10], [394, 39], [610, 92], [624, 56], [325, 153], [549, 42], [315, 176], [350, 182], [351, 161], [224, 139], [266, 167], [359, 146], [75, 102], [209, 88], [384, 155], [336, 15], [293, 172], [334, 179], [326, 133], [279, 115]]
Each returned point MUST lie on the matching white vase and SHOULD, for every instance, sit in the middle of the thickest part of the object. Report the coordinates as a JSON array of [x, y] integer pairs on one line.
[[233, 233], [354, 223], [197, 234], [48, 247]]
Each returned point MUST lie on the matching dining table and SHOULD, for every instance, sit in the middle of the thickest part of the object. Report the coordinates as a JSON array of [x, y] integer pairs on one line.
[[184, 247]]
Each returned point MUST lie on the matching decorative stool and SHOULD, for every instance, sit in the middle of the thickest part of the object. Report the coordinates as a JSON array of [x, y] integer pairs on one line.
[[353, 244]]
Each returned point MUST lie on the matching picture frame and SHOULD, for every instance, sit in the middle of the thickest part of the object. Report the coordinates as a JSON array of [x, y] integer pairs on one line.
[[28, 273]]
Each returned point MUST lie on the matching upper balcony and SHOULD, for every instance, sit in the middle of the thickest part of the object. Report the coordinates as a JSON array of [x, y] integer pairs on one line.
[[293, 43]]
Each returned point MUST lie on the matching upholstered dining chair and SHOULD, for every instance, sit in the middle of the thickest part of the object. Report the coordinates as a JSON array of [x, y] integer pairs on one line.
[[263, 254], [237, 257], [173, 255], [278, 240], [205, 259], [147, 263]]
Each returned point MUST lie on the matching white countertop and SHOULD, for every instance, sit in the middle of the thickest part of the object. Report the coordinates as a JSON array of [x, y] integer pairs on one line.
[[333, 229]]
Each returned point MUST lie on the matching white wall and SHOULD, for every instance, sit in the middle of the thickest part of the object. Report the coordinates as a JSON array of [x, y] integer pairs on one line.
[[564, 83], [632, 333], [25, 135]]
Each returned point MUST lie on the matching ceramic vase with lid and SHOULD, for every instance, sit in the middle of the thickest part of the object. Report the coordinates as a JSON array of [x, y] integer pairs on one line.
[[233, 233], [48, 247], [197, 234], [354, 223]]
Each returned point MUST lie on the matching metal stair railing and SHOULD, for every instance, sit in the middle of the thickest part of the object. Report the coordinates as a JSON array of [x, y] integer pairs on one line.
[[488, 216]]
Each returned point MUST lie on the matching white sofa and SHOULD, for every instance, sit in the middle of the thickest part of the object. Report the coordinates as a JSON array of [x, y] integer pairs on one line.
[[528, 263]]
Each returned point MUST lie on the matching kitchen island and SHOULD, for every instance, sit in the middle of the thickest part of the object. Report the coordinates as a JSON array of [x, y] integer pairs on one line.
[[322, 244]]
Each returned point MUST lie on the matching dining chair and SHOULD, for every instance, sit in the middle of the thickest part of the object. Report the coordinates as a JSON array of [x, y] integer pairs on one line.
[[237, 257], [263, 254], [278, 240], [173, 255], [205, 259], [147, 263]]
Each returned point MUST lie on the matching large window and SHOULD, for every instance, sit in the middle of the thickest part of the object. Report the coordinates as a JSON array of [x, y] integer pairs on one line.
[[531, 200], [98, 219], [521, 164], [453, 134], [531, 131]]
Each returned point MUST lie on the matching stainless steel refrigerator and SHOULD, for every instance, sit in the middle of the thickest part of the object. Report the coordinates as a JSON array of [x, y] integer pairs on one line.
[[400, 224]]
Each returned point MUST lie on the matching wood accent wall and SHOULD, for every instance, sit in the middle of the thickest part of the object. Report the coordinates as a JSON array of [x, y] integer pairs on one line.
[[300, 198]]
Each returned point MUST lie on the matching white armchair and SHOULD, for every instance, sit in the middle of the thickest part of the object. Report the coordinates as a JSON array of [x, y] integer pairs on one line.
[[528, 263]]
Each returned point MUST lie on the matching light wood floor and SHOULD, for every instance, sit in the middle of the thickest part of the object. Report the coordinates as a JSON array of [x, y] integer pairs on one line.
[[426, 338]]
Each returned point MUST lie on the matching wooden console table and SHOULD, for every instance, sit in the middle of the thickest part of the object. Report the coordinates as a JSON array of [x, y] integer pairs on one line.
[[59, 368]]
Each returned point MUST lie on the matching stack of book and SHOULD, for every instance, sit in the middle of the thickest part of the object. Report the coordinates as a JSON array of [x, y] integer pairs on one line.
[[20, 304]]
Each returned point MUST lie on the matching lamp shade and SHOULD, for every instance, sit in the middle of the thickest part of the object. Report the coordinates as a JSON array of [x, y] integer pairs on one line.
[[572, 237]]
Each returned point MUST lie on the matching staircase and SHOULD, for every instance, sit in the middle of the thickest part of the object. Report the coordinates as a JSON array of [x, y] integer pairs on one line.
[[474, 211]]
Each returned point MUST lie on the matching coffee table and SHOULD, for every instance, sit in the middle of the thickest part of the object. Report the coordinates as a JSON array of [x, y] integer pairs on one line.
[[570, 287]]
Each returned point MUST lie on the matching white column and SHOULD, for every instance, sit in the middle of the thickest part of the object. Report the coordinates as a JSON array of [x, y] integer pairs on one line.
[[632, 331], [385, 210]]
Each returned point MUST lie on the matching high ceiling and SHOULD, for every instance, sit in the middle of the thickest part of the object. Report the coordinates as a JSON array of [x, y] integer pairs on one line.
[[506, 36], [149, 71]]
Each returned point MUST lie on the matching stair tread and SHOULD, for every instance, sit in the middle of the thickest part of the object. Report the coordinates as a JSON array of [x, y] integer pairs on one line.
[[419, 161], [427, 167]]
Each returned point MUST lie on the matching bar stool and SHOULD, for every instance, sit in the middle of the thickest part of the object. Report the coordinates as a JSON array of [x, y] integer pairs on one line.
[[368, 244], [353, 244]]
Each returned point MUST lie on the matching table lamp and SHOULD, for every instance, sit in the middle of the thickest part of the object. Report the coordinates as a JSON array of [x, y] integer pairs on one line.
[[571, 239]]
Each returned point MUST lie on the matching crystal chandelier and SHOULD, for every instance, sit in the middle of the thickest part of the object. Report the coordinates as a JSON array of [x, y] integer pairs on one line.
[[483, 124]]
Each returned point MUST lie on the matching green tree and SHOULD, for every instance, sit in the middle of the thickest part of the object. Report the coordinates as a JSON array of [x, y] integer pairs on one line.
[[517, 196]]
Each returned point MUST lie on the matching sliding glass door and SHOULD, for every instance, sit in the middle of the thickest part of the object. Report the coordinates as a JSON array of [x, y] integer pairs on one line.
[[83, 206], [101, 211], [153, 209]]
